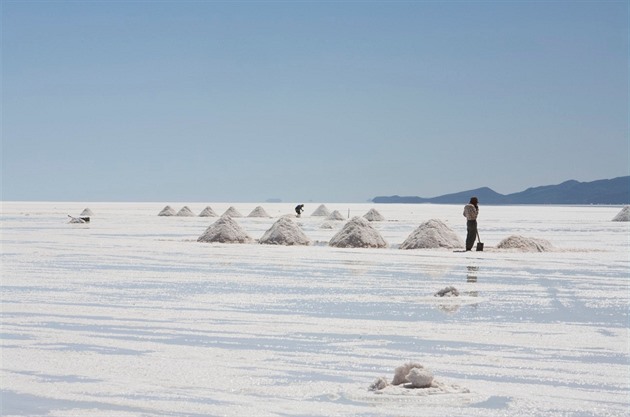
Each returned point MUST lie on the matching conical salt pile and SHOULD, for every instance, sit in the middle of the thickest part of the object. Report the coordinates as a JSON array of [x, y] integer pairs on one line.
[[167, 211], [335, 215], [285, 232], [258, 212], [185, 212], [232, 212], [208, 212], [321, 211], [525, 244], [225, 230], [623, 215], [432, 234], [87, 212], [358, 233], [374, 216]]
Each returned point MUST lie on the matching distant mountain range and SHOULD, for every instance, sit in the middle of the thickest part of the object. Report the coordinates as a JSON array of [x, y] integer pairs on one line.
[[612, 191]]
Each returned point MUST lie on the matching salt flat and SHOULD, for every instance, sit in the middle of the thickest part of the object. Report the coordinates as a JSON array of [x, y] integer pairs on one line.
[[130, 316]]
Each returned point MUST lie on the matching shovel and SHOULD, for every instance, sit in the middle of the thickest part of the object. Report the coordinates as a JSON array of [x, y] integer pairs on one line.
[[479, 244]]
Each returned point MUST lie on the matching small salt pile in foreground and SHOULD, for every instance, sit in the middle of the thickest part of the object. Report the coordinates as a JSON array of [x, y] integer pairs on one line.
[[335, 215], [225, 230], [623, 215], [87, 212], [232, 212], [167, 211], [417, 380], [432, 234], [525, 244], [374, 216], [258, 212], [285, 232], [358, 233], [207, 212], [321, 211], [185, 212]]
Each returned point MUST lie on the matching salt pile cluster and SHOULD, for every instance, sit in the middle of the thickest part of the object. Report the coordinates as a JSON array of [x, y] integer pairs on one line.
[[167, 211], [285, 232], [358, 233], [258, 212], [623, 215], [232, 212], [525, 244], [185, 212], [87, 212], [335, 215], [321, 211], [374, 216], [432, 234], [225, 230], [207, 212]]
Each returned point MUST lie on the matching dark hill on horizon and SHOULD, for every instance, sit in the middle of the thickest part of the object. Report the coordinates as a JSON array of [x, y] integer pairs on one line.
[[612, 191]]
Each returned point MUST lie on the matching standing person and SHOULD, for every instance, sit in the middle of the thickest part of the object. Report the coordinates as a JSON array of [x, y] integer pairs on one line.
[[471, 211], [299, 209]]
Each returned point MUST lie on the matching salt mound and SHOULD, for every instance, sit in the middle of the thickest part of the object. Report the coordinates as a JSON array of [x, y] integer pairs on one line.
[[208, 212], [185, 212], [327, 225], [432, 234], [358, 233], [525, 244], [167, 211], [285, 232], [232, 212], [87, 212], [258, 212], [401, 372], [321, 211], [623, 215], [225, 230], [374, 216], [335, 215], [420, 378]]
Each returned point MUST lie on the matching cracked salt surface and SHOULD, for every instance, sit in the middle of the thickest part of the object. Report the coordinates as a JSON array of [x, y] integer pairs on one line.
[[129, 315]]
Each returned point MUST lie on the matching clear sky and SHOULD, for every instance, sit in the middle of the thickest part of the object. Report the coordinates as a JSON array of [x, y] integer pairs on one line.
[[193, 101]]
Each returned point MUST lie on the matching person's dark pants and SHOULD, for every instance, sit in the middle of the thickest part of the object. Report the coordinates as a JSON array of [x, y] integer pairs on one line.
[[471, 226]]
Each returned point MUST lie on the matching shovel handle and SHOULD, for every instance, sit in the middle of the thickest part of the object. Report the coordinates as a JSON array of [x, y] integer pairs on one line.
[[478, 238]]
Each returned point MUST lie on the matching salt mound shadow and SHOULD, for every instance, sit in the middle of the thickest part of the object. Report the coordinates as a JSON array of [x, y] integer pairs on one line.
[[167, 211], [185, 212], [207, 212], [623, 215], [374, 216], [525, 244], [321, 211], [258, 212], [232, 212], [225, 230], [358, 233], [284, 232], [432, 234]]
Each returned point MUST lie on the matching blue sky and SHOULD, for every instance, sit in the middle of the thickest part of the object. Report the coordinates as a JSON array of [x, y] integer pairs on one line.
[[309, 101]]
